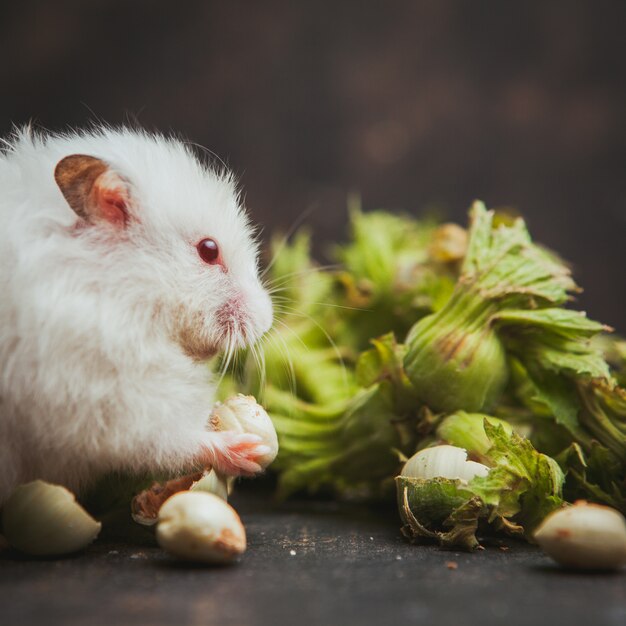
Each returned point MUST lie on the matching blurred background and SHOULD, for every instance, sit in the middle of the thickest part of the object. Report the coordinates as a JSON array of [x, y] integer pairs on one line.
[[415, 105]]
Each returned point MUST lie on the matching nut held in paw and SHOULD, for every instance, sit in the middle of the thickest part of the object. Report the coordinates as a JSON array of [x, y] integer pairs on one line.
[[200, 526], [244, 415]]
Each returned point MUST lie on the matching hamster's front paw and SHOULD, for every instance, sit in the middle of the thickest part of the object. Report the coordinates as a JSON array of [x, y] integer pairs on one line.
[[233, 454]]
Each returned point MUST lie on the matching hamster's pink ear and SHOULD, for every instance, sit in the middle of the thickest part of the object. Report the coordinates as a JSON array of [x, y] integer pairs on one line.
[[93, 189]]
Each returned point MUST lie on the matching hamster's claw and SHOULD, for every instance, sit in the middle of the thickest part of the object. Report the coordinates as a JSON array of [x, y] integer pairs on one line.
[[236, 454]]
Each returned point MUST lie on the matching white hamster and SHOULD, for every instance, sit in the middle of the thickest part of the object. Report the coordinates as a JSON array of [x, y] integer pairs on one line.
[[124, 264]]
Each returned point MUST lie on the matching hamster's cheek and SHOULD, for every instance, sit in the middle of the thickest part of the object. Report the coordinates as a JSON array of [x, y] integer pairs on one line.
[[198, 339], [197, 347]]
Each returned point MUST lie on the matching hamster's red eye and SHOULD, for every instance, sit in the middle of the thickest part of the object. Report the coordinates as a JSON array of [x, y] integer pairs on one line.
[[209, 251]]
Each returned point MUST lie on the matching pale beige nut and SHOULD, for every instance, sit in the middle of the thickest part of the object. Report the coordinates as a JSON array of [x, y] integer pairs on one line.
[[212, 482], [200, 526], [145, 505], [443, 462], [45, 520], [243, 414], [584, 536]]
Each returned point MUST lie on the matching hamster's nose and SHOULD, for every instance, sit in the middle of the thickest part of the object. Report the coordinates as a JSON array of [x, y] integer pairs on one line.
[[259, 309]]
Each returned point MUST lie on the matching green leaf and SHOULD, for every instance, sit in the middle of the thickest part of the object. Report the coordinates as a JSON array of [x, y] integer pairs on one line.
[[559, 395], [569, 357], [481, 224], [613, 348], [335, 445], [598, 475], [383, 361], [388, 277], [382, 244], [522, 483], [467, 431], [603, 414], [505, 265], [573, 324]]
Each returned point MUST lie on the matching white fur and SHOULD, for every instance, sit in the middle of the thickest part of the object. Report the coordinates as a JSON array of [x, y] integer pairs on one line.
[[93, 377]]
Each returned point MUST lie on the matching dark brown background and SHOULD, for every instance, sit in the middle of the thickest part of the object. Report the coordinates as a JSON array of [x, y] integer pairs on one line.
[[414, 104]]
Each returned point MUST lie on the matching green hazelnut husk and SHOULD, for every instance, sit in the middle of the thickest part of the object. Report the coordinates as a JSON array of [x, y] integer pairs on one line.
[[454, 358]]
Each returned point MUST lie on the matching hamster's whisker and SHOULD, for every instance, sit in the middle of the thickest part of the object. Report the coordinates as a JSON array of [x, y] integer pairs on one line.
[[285, 238], [285, 278], [285, 349], [294, 334], [207, 152], [263, 365], [223, 367], [293, 311], [277, 299], [228, 353], [287, 360], [281, 346], [260, 365]]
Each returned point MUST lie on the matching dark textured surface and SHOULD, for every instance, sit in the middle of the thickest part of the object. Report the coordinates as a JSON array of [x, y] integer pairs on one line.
[[309, 563]]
